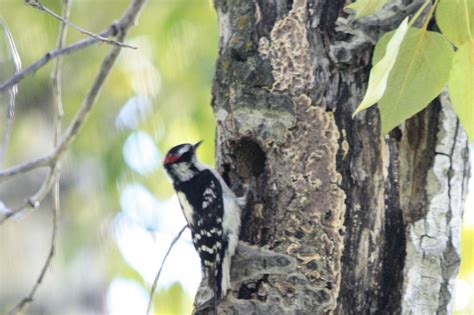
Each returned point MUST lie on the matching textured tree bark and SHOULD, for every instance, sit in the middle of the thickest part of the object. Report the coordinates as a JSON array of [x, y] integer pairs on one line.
[[343, 221]]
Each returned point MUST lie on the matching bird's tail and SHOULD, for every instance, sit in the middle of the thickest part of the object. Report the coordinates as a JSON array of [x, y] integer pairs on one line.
[[221, 284]]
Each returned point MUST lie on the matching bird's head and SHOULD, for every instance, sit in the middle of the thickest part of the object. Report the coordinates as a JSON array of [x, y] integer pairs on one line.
[[180, 161]]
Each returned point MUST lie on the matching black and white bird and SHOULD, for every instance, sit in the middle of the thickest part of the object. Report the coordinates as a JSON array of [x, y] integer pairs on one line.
[[211, 210]]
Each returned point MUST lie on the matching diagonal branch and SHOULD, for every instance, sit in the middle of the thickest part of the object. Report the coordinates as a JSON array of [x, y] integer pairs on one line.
[[117, 28], [121, 27], [157, 277], [33, 201], [29, 298], [38, 5], [54, 173], [50, 56], [26, 167], [12, 93]]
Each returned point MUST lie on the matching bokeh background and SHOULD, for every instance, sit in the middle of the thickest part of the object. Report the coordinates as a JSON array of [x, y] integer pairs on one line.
[[118, 210]]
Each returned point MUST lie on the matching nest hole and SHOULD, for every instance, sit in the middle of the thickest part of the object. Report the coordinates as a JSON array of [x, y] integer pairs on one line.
[[250, 290], [250, 158]]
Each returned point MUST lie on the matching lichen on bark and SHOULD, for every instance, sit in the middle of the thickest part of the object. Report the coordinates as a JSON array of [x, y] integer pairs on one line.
[[288, 50], [303, 205]]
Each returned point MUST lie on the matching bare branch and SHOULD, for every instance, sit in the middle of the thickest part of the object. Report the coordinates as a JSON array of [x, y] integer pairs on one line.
[[13, 91], [54, 172], [9, 123], [50, 56], [35, 200], [11, 45], [26, 167], [38, 5], [155, 282], [56, 77], [121, 26], [29, 298]]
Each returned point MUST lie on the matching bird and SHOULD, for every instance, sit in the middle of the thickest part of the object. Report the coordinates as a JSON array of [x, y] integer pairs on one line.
[[211, 210]]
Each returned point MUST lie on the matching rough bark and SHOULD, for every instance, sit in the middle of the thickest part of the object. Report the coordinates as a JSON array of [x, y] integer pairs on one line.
[[343, 221]]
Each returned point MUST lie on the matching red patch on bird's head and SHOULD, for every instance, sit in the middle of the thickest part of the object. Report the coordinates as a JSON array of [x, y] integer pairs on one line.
[[170, 158]]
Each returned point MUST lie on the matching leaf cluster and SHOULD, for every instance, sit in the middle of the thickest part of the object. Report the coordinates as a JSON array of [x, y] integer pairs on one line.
[[411, 65]]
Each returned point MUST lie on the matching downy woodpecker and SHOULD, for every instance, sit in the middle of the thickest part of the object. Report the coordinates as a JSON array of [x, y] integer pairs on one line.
[[211, 210]]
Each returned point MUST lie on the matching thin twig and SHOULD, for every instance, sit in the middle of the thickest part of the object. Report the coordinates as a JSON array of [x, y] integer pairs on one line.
[[9, 123], [50, 56], [29, 298], [56, 76], [12, 93], [54, 172], [35, 200], [38, 5], [27, 166], [122, 27], [155, 282]]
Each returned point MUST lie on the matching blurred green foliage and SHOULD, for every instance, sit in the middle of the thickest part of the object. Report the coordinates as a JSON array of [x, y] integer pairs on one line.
[[177, 46], [467, 269], [172, 301], [466, 272]]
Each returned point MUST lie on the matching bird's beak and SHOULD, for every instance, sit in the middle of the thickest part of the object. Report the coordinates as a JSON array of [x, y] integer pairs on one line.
[[197, 145]]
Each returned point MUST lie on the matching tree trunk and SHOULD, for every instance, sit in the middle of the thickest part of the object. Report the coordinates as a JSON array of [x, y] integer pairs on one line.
[[343, 221]]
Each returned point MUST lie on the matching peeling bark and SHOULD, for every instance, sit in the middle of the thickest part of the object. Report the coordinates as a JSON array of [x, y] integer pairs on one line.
[[433, 215], [342, 221]]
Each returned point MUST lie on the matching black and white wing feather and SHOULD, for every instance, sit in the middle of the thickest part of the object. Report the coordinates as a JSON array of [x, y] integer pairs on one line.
[[203, 207]]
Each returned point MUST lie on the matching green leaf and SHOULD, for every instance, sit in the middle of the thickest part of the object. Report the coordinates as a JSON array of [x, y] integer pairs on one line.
[[467, 262], [453, 20], [420, 73], [461, 86], [380, 72], [366, 7]]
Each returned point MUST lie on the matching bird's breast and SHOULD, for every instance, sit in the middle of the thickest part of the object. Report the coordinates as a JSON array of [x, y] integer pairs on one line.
[[186, 207]]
